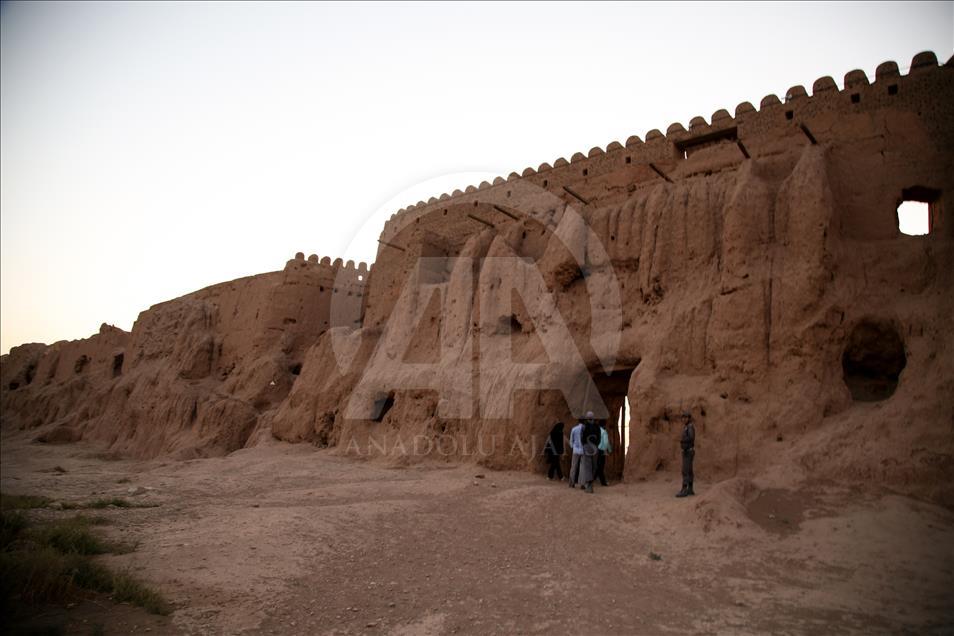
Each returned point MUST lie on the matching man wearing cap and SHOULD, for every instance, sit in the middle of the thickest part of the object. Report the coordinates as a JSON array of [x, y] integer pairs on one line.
[[583, 466], [688, 444], [591, 442]]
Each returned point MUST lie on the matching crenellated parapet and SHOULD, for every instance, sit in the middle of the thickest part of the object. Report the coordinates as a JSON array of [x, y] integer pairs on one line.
[[669, 156], [337, 273], [338, 287], [338, 265]]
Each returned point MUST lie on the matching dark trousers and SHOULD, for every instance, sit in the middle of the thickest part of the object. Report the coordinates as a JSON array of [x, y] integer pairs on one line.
[[687, 457], [554, 461], [601, 467]]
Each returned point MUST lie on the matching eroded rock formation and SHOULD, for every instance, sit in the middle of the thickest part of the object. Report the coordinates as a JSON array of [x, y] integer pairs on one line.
[[749, 269]]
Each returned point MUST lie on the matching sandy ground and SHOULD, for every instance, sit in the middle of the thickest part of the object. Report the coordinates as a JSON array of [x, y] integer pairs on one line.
[[286, 539]]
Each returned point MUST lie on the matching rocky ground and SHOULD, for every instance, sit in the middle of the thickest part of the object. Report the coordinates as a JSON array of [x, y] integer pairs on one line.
[[281, 539]]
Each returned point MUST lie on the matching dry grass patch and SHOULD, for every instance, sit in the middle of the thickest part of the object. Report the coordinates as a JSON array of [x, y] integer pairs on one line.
[[52, 561]]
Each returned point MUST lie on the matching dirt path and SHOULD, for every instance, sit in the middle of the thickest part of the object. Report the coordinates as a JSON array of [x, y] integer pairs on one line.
[[286, 539]]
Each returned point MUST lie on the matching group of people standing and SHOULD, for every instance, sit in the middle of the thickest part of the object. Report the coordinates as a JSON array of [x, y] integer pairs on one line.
[[590, 444]]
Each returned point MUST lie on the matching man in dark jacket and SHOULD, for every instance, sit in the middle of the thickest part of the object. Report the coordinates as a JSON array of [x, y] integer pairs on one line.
[[688, 444], [604, 449], [554, 451]]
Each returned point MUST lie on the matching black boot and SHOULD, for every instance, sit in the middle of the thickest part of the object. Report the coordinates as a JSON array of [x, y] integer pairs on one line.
[[684, 492], [689, 490]]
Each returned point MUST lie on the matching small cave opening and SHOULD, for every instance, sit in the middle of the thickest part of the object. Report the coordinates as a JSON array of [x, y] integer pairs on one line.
[[80, 365], [295, 369], [509, 324], [29, 374], [567, 276], [13, 386], [381, 407], [873, 360], [118, 364]]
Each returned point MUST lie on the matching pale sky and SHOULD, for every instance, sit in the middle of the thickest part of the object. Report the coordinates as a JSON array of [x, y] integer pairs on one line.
[[149, 150]]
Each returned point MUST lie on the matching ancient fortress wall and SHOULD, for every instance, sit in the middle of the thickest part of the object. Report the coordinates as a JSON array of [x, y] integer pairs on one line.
[[195, 373], [723, 144], [746, 252], [748, 269]]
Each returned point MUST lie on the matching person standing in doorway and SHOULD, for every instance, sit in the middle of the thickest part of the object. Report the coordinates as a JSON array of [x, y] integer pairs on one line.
[[553, 449], [688, 444], [576, 445], [604, 449], [591, 442]]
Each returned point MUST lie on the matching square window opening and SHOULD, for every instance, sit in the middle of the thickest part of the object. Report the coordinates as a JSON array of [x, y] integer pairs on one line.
[[914, 218], [917, 209]]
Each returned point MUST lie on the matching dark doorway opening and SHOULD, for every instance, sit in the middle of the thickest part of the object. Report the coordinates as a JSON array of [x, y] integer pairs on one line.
[[612, 406], [118, 364], [873, 360]]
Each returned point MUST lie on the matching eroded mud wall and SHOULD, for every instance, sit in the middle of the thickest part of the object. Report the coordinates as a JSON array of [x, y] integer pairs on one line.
[[195, 374], [728, 264], [749, 269]]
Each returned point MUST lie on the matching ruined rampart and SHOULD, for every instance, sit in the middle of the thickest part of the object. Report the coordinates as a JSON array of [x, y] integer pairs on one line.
[[748, 269], [195, 373]]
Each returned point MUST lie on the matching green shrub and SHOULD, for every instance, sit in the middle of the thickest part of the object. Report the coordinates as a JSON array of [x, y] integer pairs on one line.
[[27, 502], [40, 575], [117, 502], [23, 502], [12, 523], [47, 562], [91, 576], [107, 502], [69, 536], [128, 589]]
